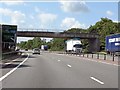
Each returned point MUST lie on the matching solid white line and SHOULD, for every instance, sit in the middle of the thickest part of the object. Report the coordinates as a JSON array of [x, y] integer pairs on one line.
[[100, 61], [97, 80], [10, 72], [69, 65]]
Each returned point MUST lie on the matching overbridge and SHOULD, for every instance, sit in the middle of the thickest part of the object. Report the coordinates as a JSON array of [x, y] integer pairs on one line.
[[94, 43], [56, 34]]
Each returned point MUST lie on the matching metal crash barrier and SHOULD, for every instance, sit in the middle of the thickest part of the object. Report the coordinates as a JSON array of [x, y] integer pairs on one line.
[[9, 54]]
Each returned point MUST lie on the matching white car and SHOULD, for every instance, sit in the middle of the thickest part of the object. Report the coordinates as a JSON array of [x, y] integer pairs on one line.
[[36, 51]]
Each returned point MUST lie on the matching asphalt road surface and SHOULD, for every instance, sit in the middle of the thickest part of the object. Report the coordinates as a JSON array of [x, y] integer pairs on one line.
[[51, 70]]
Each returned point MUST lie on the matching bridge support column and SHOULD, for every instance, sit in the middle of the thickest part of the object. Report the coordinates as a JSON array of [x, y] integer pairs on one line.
[[94, 45]]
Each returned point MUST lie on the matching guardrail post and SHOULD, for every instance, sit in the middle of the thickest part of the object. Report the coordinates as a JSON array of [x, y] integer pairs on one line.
[[87, 55], [92, 55], [98, 56], [113, 57], [104, 56], [83, 54]]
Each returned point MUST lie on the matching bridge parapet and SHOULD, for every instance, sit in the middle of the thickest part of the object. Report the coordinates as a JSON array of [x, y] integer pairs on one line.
[[56, 34]]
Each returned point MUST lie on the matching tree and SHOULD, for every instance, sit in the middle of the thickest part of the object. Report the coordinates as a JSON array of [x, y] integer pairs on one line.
[[22, 44], [57, 44], [104, 27], [29, 44], [76, 30]]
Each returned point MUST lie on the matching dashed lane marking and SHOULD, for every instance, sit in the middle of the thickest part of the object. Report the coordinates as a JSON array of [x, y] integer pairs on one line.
[[97, 80], [69, 65], [7, 63], [99, 61], [59, 60]]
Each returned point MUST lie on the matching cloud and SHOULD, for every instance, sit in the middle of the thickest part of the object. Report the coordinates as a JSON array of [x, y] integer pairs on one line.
[[15, 16], [109, 13], [46, 18], [10, 2], [76, 7], [30, 26], [32, 17], [116, 21], [68, 23], [5, 11], [37, 9]]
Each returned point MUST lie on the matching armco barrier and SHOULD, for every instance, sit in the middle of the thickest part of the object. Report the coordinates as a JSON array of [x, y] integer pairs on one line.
[[98, 56], [101, 56], [8, 54]]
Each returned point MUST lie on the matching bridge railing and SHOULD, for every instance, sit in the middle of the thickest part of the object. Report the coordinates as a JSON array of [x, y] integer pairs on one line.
[[40, 29]]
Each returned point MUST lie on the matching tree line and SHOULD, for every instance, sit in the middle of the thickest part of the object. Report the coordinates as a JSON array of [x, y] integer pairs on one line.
[[103, 27]]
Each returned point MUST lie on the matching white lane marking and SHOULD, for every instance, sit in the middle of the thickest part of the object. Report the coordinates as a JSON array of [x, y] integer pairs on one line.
[[95, 60], [69, 65], [97, 80], [10, 72], [14, 60], [116, 64], [104, 62], [99, 61], [7, 63], [59, 60]]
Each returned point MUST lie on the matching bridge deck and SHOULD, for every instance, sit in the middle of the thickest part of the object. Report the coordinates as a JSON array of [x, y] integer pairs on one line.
[[56, 34]]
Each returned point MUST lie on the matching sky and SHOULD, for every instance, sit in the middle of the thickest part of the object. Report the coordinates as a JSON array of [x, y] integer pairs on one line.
[[56, 15]]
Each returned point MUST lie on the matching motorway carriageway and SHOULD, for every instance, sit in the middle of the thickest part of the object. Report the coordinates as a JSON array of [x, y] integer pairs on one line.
[[52, 70]]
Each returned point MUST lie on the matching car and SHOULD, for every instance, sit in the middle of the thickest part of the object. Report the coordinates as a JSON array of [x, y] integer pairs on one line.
[[26, 49], [36, 51]]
